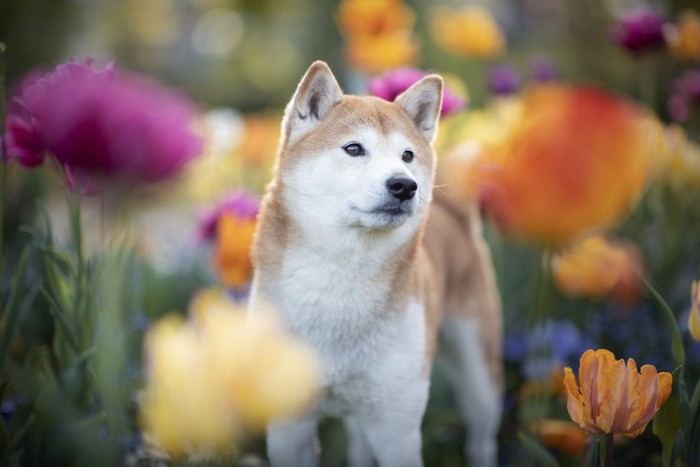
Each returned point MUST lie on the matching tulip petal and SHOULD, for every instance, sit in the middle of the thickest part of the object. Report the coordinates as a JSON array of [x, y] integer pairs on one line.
[[575, 403]]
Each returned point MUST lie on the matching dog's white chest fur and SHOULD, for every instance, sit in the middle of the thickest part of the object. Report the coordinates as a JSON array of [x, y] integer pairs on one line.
[[339, 307]]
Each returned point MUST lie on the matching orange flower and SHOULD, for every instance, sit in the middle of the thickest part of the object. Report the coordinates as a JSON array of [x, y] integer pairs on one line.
[[232, 255], [470, 31], [373, 17], [261, 134], [378, 34], [598, 268], [683, 38], [576, 160], [562, 435], [614, 397], [375, 54]]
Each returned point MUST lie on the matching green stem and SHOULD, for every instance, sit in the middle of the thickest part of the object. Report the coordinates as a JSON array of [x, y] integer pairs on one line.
[[608, 450]]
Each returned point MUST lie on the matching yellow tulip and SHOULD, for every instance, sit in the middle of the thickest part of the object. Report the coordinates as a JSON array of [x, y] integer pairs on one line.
[[612, 397], [221, 376], [694, 319], [470, 31], [599, 268], [180, 408]]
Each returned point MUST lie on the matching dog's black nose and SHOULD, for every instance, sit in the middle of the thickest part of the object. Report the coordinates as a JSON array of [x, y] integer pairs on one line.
[[401, 187]]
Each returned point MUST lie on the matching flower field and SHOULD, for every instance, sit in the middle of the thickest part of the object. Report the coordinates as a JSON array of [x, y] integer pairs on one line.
[[137, 139]]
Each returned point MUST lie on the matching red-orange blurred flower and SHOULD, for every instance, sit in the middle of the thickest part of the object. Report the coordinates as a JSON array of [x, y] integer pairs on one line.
[[576, 160], [598, 268], [612, 397]]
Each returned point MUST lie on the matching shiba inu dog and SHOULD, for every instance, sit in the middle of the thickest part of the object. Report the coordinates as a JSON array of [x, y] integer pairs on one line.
[[372, 268]]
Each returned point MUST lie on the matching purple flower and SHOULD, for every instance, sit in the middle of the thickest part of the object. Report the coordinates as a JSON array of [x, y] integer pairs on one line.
[[390, 85], [503, 80], [102, 124], [543, 70], [639, 30], [685, 95], [241, 204]]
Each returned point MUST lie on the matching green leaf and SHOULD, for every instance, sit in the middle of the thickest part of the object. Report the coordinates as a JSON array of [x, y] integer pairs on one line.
[[676, 339], [15, 307], [670, 420], [544, 457], [76, 380], [694, 431], [61, 320]]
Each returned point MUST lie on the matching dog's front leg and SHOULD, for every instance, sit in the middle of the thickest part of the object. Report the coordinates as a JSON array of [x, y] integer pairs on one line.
[[293, 443], [393, 429]]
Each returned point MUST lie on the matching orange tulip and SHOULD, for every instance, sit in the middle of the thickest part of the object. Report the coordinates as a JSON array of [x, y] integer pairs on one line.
[[373, 17], [562, 435], [470, 31], [598, 268], [232, 255], [612, 397], [378, 34], [683, 38], [576, 160], [376, 54], [261, 133]]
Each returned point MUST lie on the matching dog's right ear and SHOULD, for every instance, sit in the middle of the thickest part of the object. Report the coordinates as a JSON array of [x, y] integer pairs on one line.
[[317, 92]]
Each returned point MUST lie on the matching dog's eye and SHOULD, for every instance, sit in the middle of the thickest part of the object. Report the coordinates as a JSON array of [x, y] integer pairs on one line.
[[354, 149], [407, 156]]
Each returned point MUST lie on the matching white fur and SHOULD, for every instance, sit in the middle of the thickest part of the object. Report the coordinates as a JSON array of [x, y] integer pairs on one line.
[[480, 406]]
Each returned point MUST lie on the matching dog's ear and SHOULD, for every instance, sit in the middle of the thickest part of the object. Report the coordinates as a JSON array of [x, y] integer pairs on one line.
[[317, 92], [423, 101]]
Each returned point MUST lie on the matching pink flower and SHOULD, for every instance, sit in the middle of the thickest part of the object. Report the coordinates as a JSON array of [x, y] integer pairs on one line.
[[639, 30], [390, 85], [102, 124], [685, 95], [241, 204]]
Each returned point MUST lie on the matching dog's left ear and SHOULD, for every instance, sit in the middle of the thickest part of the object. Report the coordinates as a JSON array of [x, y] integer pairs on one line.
[[423, 101], [316, 93]]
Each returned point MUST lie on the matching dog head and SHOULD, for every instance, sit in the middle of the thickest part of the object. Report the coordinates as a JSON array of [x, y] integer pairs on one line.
[[357, 162]]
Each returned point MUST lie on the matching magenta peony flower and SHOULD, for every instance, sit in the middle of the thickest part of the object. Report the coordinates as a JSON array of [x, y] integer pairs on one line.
[[101, 124], [241, 204], [639, 30], [390, 85]]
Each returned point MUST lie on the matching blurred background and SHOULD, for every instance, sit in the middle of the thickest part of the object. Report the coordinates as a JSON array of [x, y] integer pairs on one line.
[[240, 61]]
